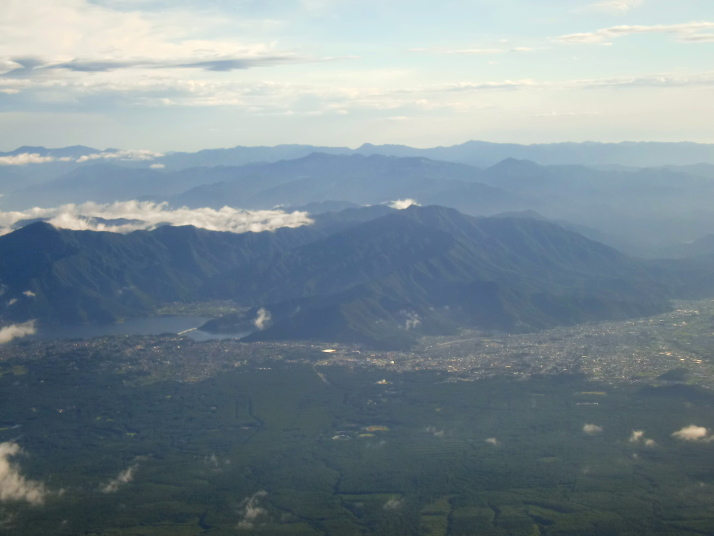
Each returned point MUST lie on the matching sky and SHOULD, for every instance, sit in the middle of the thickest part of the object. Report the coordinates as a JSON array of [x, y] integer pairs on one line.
[[183, 75]]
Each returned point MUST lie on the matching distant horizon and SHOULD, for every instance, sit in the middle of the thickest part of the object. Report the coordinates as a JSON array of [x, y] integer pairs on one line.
[[351, 147]]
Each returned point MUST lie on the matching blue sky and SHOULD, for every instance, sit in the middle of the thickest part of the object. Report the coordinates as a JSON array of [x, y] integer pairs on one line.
[[186, 75]]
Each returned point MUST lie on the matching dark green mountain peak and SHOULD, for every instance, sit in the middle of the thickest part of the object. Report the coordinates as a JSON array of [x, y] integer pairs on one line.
[[374, 275]]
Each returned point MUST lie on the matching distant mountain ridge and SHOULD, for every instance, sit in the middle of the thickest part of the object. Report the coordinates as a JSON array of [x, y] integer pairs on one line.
[[642, 211], [74, 151], [478, 153]]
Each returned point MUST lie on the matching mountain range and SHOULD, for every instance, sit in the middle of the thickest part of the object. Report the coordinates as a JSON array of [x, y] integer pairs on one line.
[[641, 211], [374, 275], [477, 153]]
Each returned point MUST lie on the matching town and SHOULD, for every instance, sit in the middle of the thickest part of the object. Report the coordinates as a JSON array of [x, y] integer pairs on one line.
[[671, 346]]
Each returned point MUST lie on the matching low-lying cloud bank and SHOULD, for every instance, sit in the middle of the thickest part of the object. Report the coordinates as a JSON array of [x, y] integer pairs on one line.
[[27, 158], [14, 486], [16, 331], [129, 155], [128, 216]]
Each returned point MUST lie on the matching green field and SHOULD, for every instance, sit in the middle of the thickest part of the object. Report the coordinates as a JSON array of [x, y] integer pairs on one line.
[[280, 451]]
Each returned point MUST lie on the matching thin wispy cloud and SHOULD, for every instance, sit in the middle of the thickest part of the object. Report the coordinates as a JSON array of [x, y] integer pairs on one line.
[[295, 100], [565, 114], [491, 86], [616, 7], [649, 81], [102, 65], [476, 51], [684, 32], [394, 503], [123, 478], [412, 321], [68, 28], [434, 431]]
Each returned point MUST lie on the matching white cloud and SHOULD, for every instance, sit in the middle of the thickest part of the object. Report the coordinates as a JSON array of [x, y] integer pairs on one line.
[[616, 7], [412, 321], [684, 32], [592, 429], [148, 215], [275, 99], [126, 476], [492, 441], [8, 65], [64, 30], [652, 81], [492, 85], [636, 436], [157, 166], [251, 511], [263, 319], [317, 5], [14, 486], [16, 331], [401, 204], [125, 155], [393, 503], [694, 433], [24, 159], [475, 51], [129, 154], [565, 114], [30, 294]]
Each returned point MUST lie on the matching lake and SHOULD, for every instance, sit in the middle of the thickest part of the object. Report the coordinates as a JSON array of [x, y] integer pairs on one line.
[[134, 326]]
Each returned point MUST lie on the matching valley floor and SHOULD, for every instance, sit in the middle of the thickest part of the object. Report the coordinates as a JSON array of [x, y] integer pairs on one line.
[[597, 429]]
